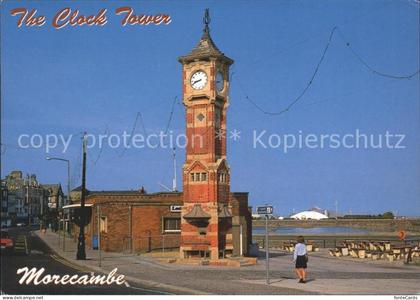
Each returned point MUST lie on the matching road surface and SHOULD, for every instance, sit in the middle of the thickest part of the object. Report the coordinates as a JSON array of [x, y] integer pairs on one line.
[[41, 256]]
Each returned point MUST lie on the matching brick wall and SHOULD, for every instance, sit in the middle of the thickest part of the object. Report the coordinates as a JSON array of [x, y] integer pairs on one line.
[[134, 221], [145, 213], [241, 219]]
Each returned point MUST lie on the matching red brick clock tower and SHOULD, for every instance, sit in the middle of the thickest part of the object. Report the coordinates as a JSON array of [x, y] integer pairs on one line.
[[206, 220]]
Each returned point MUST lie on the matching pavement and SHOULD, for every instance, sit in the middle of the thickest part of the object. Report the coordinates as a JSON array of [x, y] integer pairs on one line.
[[326, 274], [31, 252]]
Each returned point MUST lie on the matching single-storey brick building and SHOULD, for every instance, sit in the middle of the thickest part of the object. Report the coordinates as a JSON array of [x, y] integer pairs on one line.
[[136, 221]]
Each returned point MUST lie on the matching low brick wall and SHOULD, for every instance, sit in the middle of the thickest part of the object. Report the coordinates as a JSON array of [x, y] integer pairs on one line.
[[383, 225]]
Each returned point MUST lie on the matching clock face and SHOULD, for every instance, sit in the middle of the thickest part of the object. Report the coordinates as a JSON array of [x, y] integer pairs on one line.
[[220, 83], [198, 80]]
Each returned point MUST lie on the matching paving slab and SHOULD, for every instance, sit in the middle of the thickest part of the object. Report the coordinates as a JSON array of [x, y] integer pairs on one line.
[[347, 286]]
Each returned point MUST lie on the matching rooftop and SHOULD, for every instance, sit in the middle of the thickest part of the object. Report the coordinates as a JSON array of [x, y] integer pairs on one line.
[[205, 48]]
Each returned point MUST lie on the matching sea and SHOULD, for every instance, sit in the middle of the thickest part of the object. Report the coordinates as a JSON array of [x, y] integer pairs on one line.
[[312, 230]]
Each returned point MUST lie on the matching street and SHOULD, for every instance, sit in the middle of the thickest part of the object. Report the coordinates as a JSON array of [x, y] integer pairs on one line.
[[42, 257]]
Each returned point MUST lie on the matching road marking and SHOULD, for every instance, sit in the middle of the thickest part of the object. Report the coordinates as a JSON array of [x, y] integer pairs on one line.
[[21, 244], [68, 264]]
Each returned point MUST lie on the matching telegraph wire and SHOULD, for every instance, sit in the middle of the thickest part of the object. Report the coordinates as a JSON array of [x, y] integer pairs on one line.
[[180, 106], [364, 63], [143, 127], [138, 115], [304, 90], [313, 36], [140, 120], [329, 99], [171, 114], [175, 102], [100, 150], [308, 85]]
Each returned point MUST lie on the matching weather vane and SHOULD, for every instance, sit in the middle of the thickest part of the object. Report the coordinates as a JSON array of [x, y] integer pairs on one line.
[[206, 20]]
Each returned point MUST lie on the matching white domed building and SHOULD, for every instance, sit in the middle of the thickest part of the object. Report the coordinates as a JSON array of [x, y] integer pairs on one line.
[[309, 215]]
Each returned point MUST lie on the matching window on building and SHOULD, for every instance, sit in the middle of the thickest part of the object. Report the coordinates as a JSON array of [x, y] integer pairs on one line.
[[198, 176], [172, 225], [222, 177], [103, 224]]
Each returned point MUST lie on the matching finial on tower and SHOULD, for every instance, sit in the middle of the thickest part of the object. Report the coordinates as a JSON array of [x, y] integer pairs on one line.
[[206, 21], [205, 48]]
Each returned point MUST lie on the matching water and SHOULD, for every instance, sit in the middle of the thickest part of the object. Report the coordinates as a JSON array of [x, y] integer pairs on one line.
[[312, 230]]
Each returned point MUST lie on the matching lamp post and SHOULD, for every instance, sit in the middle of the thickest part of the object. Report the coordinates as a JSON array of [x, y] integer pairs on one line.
[[81, 249], [68, 193]]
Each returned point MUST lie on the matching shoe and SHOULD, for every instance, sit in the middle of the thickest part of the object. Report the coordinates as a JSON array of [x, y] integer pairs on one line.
[[301, 281]]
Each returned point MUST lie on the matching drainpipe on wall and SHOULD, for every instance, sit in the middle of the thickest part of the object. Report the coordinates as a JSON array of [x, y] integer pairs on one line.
[[240, 240], [98, 212], [130, 228]]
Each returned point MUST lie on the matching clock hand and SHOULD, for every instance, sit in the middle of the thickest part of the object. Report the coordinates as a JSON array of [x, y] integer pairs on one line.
[[194, 82]]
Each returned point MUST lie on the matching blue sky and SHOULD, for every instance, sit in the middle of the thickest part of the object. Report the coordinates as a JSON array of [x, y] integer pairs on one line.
[[97, 78]]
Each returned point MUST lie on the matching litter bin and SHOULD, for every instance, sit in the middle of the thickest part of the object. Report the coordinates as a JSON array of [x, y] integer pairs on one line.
[[95, 242]]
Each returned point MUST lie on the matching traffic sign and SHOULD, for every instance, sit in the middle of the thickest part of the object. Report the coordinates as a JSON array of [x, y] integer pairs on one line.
[[265, 210]]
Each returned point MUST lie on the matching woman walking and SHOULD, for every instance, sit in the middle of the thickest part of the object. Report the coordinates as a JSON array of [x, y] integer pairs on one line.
[[300, 257]]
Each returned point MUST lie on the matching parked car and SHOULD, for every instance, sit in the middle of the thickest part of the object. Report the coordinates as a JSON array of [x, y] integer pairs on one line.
[[6, 242], [20, 224]]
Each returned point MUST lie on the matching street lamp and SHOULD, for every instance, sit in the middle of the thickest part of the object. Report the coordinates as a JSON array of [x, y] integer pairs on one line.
[[68, 190]]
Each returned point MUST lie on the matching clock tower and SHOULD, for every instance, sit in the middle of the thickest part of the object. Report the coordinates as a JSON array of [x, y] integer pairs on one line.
[[206, 217]]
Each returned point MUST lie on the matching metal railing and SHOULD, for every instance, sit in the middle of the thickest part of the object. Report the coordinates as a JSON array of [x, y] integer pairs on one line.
[[153, 243], [322, 242]]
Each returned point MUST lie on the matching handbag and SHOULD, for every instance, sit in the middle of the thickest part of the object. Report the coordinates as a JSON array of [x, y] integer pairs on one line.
[[306, 258]]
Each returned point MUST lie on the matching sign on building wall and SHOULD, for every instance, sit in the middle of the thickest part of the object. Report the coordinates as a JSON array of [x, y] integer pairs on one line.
[[176, 208]]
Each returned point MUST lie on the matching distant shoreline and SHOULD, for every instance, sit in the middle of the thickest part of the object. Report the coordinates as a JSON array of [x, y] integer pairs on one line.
[[377, 225]]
